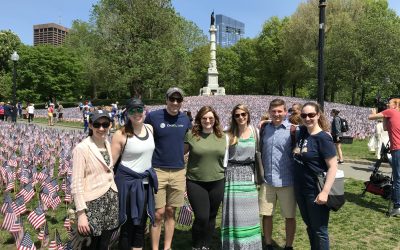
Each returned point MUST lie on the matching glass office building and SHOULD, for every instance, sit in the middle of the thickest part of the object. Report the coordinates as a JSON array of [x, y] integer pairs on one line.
[[229, 30]]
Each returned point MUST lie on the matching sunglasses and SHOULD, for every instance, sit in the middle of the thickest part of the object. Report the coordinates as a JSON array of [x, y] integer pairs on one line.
[[135, 110], [310, 115], [104, 124], [240, 115], [177, 99]]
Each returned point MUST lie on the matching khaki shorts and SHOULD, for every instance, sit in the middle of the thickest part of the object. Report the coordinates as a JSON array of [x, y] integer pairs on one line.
[[171, 187], [268, 196]]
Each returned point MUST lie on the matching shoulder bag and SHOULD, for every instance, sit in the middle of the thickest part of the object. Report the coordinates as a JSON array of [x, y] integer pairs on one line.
[[259, 167]]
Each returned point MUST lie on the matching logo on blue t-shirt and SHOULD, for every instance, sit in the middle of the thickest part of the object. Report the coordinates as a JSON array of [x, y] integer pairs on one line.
[[162, 125]]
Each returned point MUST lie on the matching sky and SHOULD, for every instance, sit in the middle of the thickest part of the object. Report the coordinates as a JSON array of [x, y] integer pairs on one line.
[[19, 16]]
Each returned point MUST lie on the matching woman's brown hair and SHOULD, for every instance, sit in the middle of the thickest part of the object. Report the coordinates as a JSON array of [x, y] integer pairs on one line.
[[322, 121], [233, 130], [197, 128]]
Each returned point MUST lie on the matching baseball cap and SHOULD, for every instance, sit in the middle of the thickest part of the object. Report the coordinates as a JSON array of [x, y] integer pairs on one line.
[[134, 103], [174, 90], [95, 115]]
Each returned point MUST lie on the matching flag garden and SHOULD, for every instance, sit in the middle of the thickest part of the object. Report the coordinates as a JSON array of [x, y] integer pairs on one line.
[[35, 199], [35, 177]]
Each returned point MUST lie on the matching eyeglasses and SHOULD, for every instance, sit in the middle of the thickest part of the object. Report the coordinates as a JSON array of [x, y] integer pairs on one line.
[[207, 118], [177, 99], [104, 124], [135, 110], [240, 115], [310, 115]]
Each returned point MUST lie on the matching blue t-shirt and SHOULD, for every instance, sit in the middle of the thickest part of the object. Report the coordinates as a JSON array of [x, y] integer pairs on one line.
[[311, 160], [169, 134]]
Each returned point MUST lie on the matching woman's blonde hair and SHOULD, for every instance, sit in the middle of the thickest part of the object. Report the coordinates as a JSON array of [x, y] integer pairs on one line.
[[233, 130]]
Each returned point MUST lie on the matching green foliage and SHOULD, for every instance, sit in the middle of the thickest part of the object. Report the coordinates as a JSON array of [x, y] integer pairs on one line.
[[9, 42]]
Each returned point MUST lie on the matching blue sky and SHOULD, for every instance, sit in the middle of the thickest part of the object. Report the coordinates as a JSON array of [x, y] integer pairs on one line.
[[20, 15]]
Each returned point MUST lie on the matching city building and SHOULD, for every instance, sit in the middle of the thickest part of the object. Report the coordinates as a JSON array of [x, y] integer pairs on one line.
[[229, 30], [49, 33]]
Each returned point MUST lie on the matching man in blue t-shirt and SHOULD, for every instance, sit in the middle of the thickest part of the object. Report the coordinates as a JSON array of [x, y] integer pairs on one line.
[[170, 126]]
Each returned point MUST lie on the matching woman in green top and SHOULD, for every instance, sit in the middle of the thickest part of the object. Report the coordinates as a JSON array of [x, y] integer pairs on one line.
[[206, 143]]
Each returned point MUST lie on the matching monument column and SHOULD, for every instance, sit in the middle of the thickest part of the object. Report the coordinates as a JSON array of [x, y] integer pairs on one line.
[[212, 73]]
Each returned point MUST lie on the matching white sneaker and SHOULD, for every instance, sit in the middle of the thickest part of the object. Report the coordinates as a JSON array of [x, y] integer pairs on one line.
[[395, 212]]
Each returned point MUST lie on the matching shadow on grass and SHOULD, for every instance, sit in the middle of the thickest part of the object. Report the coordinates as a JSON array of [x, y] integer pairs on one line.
[[363, 201]]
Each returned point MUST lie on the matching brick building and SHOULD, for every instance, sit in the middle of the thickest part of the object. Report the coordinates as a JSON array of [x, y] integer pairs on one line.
[[49, 33]]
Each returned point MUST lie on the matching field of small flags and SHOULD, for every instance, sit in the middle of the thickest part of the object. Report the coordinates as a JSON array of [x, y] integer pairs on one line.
[[35, 193]]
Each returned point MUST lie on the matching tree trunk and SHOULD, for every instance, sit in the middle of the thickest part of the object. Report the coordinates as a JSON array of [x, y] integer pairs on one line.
[[294, 89], [363, 90], [353, 92]]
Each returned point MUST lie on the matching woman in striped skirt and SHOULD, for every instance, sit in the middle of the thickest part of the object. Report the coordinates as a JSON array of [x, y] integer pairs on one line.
[[240, 218]]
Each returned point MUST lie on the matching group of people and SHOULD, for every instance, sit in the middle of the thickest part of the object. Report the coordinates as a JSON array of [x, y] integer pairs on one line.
[[148, 157]]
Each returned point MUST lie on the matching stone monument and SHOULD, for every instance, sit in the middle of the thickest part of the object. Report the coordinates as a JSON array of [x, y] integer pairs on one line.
[[212, 87]]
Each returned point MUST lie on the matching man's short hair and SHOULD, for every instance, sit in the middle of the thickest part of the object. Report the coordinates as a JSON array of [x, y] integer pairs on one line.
[[276, 103]]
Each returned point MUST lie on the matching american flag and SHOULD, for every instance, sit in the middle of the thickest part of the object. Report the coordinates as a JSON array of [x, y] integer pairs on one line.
[[17, 226], [45, 196], [53, 245], [27, 192], [67, 224], [25, 176], [37, 217], [44, 235], [68, 198], [19, 235], [9, 218], [58, 241], [185, 215], [55, 200], [6, 201], [18, 205], [26, 243]]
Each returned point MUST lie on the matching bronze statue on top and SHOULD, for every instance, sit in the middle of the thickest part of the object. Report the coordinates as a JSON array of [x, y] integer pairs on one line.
[[212, 18]]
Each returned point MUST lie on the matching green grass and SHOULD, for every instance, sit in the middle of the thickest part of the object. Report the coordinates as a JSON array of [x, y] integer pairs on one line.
[[40, 120], [360, 224], [358, 150]]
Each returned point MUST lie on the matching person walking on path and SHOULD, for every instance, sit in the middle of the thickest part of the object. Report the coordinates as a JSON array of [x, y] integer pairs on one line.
[[240, 212], [31, 112], [93, 187], [206, 144], [391, 118], [276, 149], [337, 134], [50, 113], [135, 177], [170, 126], [314, 154]]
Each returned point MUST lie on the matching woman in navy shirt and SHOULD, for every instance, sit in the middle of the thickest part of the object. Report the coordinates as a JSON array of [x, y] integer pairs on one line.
[[314, 153]]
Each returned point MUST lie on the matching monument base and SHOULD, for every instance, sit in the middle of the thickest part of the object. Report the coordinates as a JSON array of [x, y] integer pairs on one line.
[[207, 91]]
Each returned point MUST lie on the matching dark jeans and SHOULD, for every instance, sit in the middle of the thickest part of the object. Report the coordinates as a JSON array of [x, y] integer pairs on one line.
[[30, 117], [205, 199], [133, 235], [100, 242], [316, 218], [396, 178]]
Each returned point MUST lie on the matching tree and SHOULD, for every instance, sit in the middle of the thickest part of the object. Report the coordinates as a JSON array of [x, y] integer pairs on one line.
[[9, 42]]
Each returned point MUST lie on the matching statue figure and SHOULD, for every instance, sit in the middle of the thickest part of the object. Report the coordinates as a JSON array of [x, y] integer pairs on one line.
[[212, 18]]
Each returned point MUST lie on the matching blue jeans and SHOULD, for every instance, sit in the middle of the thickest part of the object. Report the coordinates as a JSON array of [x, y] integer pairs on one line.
[[316, 218], [396, 178]]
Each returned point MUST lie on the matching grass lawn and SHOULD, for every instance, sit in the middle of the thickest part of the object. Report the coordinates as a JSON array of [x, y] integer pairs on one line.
[[360, 224], [358, 150]]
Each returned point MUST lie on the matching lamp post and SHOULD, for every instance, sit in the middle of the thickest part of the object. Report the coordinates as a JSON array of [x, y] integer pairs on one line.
[[322, 5], [14, 58]]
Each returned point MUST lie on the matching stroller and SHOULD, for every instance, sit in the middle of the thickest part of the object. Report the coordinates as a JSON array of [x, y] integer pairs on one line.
[[379, 183]]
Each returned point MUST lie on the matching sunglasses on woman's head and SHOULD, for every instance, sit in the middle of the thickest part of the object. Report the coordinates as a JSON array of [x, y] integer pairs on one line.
[[177, 99], [135, 110], [102, 124], [240, 115], [310, 115]]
